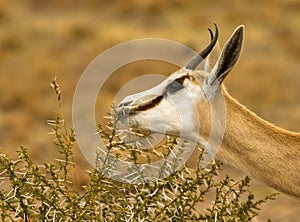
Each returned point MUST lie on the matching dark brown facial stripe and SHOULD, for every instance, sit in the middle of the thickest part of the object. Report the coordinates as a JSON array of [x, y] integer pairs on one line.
[[149, 105]]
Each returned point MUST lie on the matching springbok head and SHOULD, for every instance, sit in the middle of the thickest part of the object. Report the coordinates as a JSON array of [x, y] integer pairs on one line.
[[174, 106]]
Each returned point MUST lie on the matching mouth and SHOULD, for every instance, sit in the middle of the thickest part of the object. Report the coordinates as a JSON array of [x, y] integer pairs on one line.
[[128, 126]]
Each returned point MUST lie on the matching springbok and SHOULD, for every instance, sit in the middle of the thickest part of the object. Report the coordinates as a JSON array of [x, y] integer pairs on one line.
[[259, 148]]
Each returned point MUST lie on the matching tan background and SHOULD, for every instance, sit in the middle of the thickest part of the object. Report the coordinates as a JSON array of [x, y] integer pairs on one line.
[[40, 39]]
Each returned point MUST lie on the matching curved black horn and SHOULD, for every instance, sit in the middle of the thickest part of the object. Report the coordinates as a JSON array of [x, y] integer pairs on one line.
[[211, 34], [197, 59]]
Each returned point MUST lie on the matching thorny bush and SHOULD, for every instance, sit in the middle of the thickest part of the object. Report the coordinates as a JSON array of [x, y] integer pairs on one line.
[[31, 192]]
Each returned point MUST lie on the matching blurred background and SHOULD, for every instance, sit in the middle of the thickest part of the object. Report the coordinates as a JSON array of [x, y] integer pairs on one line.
[[43, 39]]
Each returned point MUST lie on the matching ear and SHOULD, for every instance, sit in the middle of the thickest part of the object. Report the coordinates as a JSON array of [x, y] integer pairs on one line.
[[212, 58], [228, 58]]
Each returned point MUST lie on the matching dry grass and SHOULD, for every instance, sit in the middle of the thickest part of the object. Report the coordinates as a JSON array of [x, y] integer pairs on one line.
[[39, 40]]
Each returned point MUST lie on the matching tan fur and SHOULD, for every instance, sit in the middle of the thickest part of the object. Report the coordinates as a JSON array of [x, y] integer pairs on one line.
[[267, 152]]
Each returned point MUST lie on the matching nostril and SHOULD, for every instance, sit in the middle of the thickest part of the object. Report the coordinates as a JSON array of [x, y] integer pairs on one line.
[[122, 104]]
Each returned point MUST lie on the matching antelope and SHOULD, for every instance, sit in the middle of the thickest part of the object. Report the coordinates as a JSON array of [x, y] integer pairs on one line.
[[250, 143]]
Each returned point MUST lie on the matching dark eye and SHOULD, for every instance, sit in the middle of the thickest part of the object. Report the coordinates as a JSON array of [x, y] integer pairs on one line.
[[174, 86]]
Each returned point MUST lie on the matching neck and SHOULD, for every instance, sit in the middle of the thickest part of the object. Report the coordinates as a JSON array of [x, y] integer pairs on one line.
[[269, 153]]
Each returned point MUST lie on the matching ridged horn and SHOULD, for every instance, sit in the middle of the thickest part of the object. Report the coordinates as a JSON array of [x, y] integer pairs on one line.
[[197, 59]]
